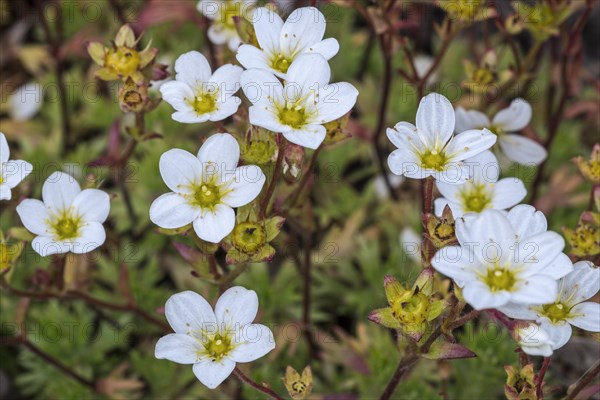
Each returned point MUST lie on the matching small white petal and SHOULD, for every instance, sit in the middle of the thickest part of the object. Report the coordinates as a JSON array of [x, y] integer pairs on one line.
[[171, 211], [213, 373], [307, 73], [59, 191], [456, 262], [267, 25], [26, 101], [404, 161], [435, 118], [180, 169], [222, 151], [214, 226], [519, 311], [225, 109], [92, 205], [469, 144], [261, 87], [14, 171], [493, 237], [527, 221], [5, 193], [327, 48], [451, 192], [302, 29], [252, 342], [515, 117], [310, 136], [583, 283], [266, 118], [91, 236], [559, 267], [34, 214], [227, 80], [46, 246], [587, 316], [522, 150], [537, 252], [484, 167], [480, 297], [540, 289], [508, 192], [559, 333], [178, 94], [178, 348], [236, 307], [454, 173], [335, 101], [246, 186], [472, 119], [251, 57], [189, 312], [193, 69], [4, 149], [219, 35], [190, 117]]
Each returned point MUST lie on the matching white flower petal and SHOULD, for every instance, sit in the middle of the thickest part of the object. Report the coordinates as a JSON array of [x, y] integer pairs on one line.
[[451, 192], [404, 161], [439, 204], [92, 205], [46, 246], [327, 48], [193, 69], [251, 57], [484, 167], [559, 333], [480, 297], [180, 169], [252, 342], [265, 118], [171, 210], [527, 221], [404, 134], [519, 311], [219, 35], [214, 226], [225, 109], [227, 80], [587, 316], [236, 307], [178, 348], [456, 262], [178, 94], [335, 101], [4, 149], [308, 73], [5, 193], [213, 373], [189, 312], [537, 252], [245, 187], [310, 136], [59, 191], [540, 289], [267, 25], [14, 171], [435, 118], [222, 151], [508, 192], [471, 119], [34, 214], [91, 236], [469, 144], [515, 117], [261, 87], [302, 29], [583, 283], [190, 117], [493, 237], [454, 173], [26, 101], [522, 150], [559, 267]]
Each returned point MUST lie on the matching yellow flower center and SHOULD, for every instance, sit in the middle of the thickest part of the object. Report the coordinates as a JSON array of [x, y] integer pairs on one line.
[[123, 60], [294, 117], [207, 195], [496, 129], [475, 198], [281, 63], [411, 308], [433, 160], [498, 279], [204, 103], [248, 237], [66, 226], [556, 312], [218, 347]]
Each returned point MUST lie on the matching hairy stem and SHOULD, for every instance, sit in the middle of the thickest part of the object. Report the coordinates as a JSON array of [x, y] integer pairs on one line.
[[244, 378]]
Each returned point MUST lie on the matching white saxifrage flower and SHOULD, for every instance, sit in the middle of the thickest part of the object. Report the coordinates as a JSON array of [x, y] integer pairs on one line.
[[517, 116], [429, 149], [569, 308], [534, 340], [281, 43], [68, 220], [197, 94], [12, 172], [214, 341], [26, 101], [222, 13], [505, 258], [482, 191], [205, 188], [299, 108]]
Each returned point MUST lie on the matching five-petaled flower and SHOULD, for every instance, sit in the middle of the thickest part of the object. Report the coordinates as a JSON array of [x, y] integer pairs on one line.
[[517, 148], [482, 191], [205, 188], [299, 108], [428, 149], [214, 341], [569, 308], [68, 220], [12, 172], [197, 94], [505, 258], [281, 43], [223, 13]]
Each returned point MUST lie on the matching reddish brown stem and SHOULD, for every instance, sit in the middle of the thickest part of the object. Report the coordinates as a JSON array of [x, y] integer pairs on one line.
[[244, 378]]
